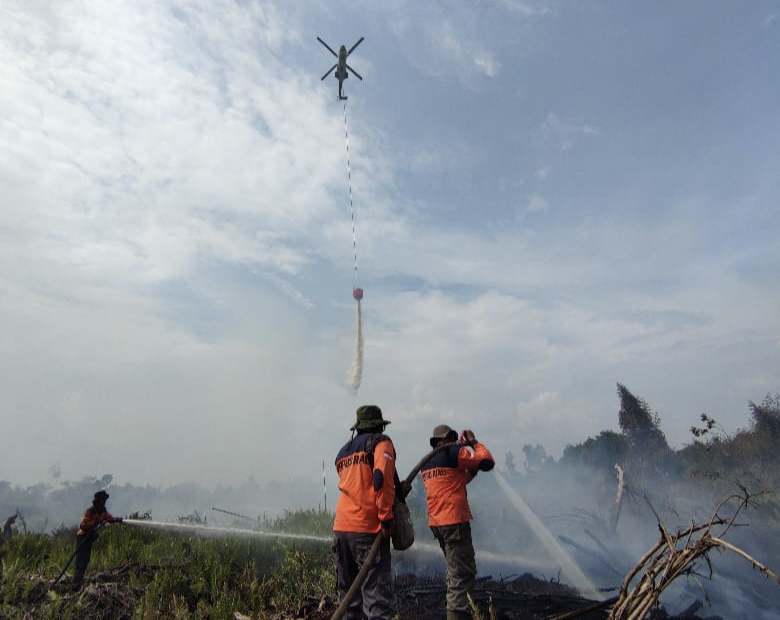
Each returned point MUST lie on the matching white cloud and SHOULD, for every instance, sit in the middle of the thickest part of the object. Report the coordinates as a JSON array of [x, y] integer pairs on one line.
[[439, 158], [527, 9], [564, 133], [141, 148], [439, 45], [486, 63], [158, 151], [537, 204], [548, 410], [457, 51]]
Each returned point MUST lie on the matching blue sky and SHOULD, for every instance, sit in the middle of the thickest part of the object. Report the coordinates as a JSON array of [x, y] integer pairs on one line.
[[552, 197]]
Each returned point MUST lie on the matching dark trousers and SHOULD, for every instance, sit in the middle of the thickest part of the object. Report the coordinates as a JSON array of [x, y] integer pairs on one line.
[[455, 542], [375, 600], [83, 554]]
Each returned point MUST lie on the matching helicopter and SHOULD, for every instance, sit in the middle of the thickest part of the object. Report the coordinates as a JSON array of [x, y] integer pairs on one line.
[[342, 68]]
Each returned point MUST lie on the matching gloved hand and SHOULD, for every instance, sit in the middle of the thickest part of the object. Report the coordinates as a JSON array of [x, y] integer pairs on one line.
[[406, 488], [386, 526], [467, 438]]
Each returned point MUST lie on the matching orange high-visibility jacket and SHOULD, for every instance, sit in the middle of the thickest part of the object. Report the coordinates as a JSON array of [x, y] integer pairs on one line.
[[366, 470], [445, 478], [92, 519]]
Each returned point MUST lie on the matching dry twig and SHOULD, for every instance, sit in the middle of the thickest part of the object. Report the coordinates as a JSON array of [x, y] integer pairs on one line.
[[675, 554]]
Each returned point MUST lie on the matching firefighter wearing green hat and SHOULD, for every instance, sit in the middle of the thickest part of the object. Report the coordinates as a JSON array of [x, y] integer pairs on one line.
[[367, 475]]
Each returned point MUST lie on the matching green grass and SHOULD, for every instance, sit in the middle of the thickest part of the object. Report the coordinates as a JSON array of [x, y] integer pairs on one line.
[[172, 575], [311, 521]]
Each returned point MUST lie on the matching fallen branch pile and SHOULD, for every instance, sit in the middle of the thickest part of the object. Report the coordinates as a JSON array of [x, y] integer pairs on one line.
[[676, 554]]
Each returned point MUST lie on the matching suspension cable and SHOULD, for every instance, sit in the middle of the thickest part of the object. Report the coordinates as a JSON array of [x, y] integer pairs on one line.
[[351, 204]]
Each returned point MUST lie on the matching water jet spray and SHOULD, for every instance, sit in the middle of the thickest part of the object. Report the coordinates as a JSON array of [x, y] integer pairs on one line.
[[423, 548], [237, 531], [569, 567]]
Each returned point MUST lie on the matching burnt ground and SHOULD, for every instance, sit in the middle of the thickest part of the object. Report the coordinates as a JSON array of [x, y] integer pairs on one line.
[[519, 598], [524, 597], [109, 596]]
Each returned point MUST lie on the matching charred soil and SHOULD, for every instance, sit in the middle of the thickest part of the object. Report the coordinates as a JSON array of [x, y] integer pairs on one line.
[[138, 573]]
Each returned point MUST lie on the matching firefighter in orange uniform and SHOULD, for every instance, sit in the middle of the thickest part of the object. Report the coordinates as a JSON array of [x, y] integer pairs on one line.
[[367, 478], [94, 516], [445, 477]]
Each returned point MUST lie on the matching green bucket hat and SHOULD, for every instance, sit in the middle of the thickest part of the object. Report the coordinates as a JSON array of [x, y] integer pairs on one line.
[[369, 417], [442, 432]]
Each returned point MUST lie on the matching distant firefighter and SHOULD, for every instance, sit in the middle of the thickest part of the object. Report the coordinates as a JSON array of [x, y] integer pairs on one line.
[[445, 477], [94, 517], [366, 471], [8, 527]]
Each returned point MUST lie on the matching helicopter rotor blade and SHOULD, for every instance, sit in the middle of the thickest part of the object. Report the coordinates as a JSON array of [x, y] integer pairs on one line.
[[328, 47], [327, 73], [360, 77], [352, 49]]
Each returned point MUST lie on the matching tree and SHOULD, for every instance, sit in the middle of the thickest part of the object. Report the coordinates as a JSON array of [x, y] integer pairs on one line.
[[649, 457], [602, 452], [535, 457], [766, 416], [509, 463], [639, 423]]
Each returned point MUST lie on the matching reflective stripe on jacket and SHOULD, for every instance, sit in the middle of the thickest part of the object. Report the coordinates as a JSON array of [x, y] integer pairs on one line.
[[445, 478], [366, 483], [92, 519]]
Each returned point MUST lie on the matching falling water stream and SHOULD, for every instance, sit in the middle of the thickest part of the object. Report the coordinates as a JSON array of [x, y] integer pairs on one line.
[[356, 372], [569, 568]]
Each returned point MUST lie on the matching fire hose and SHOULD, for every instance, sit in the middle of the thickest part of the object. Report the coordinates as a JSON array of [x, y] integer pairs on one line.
[[357, 583], [89, 537]]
